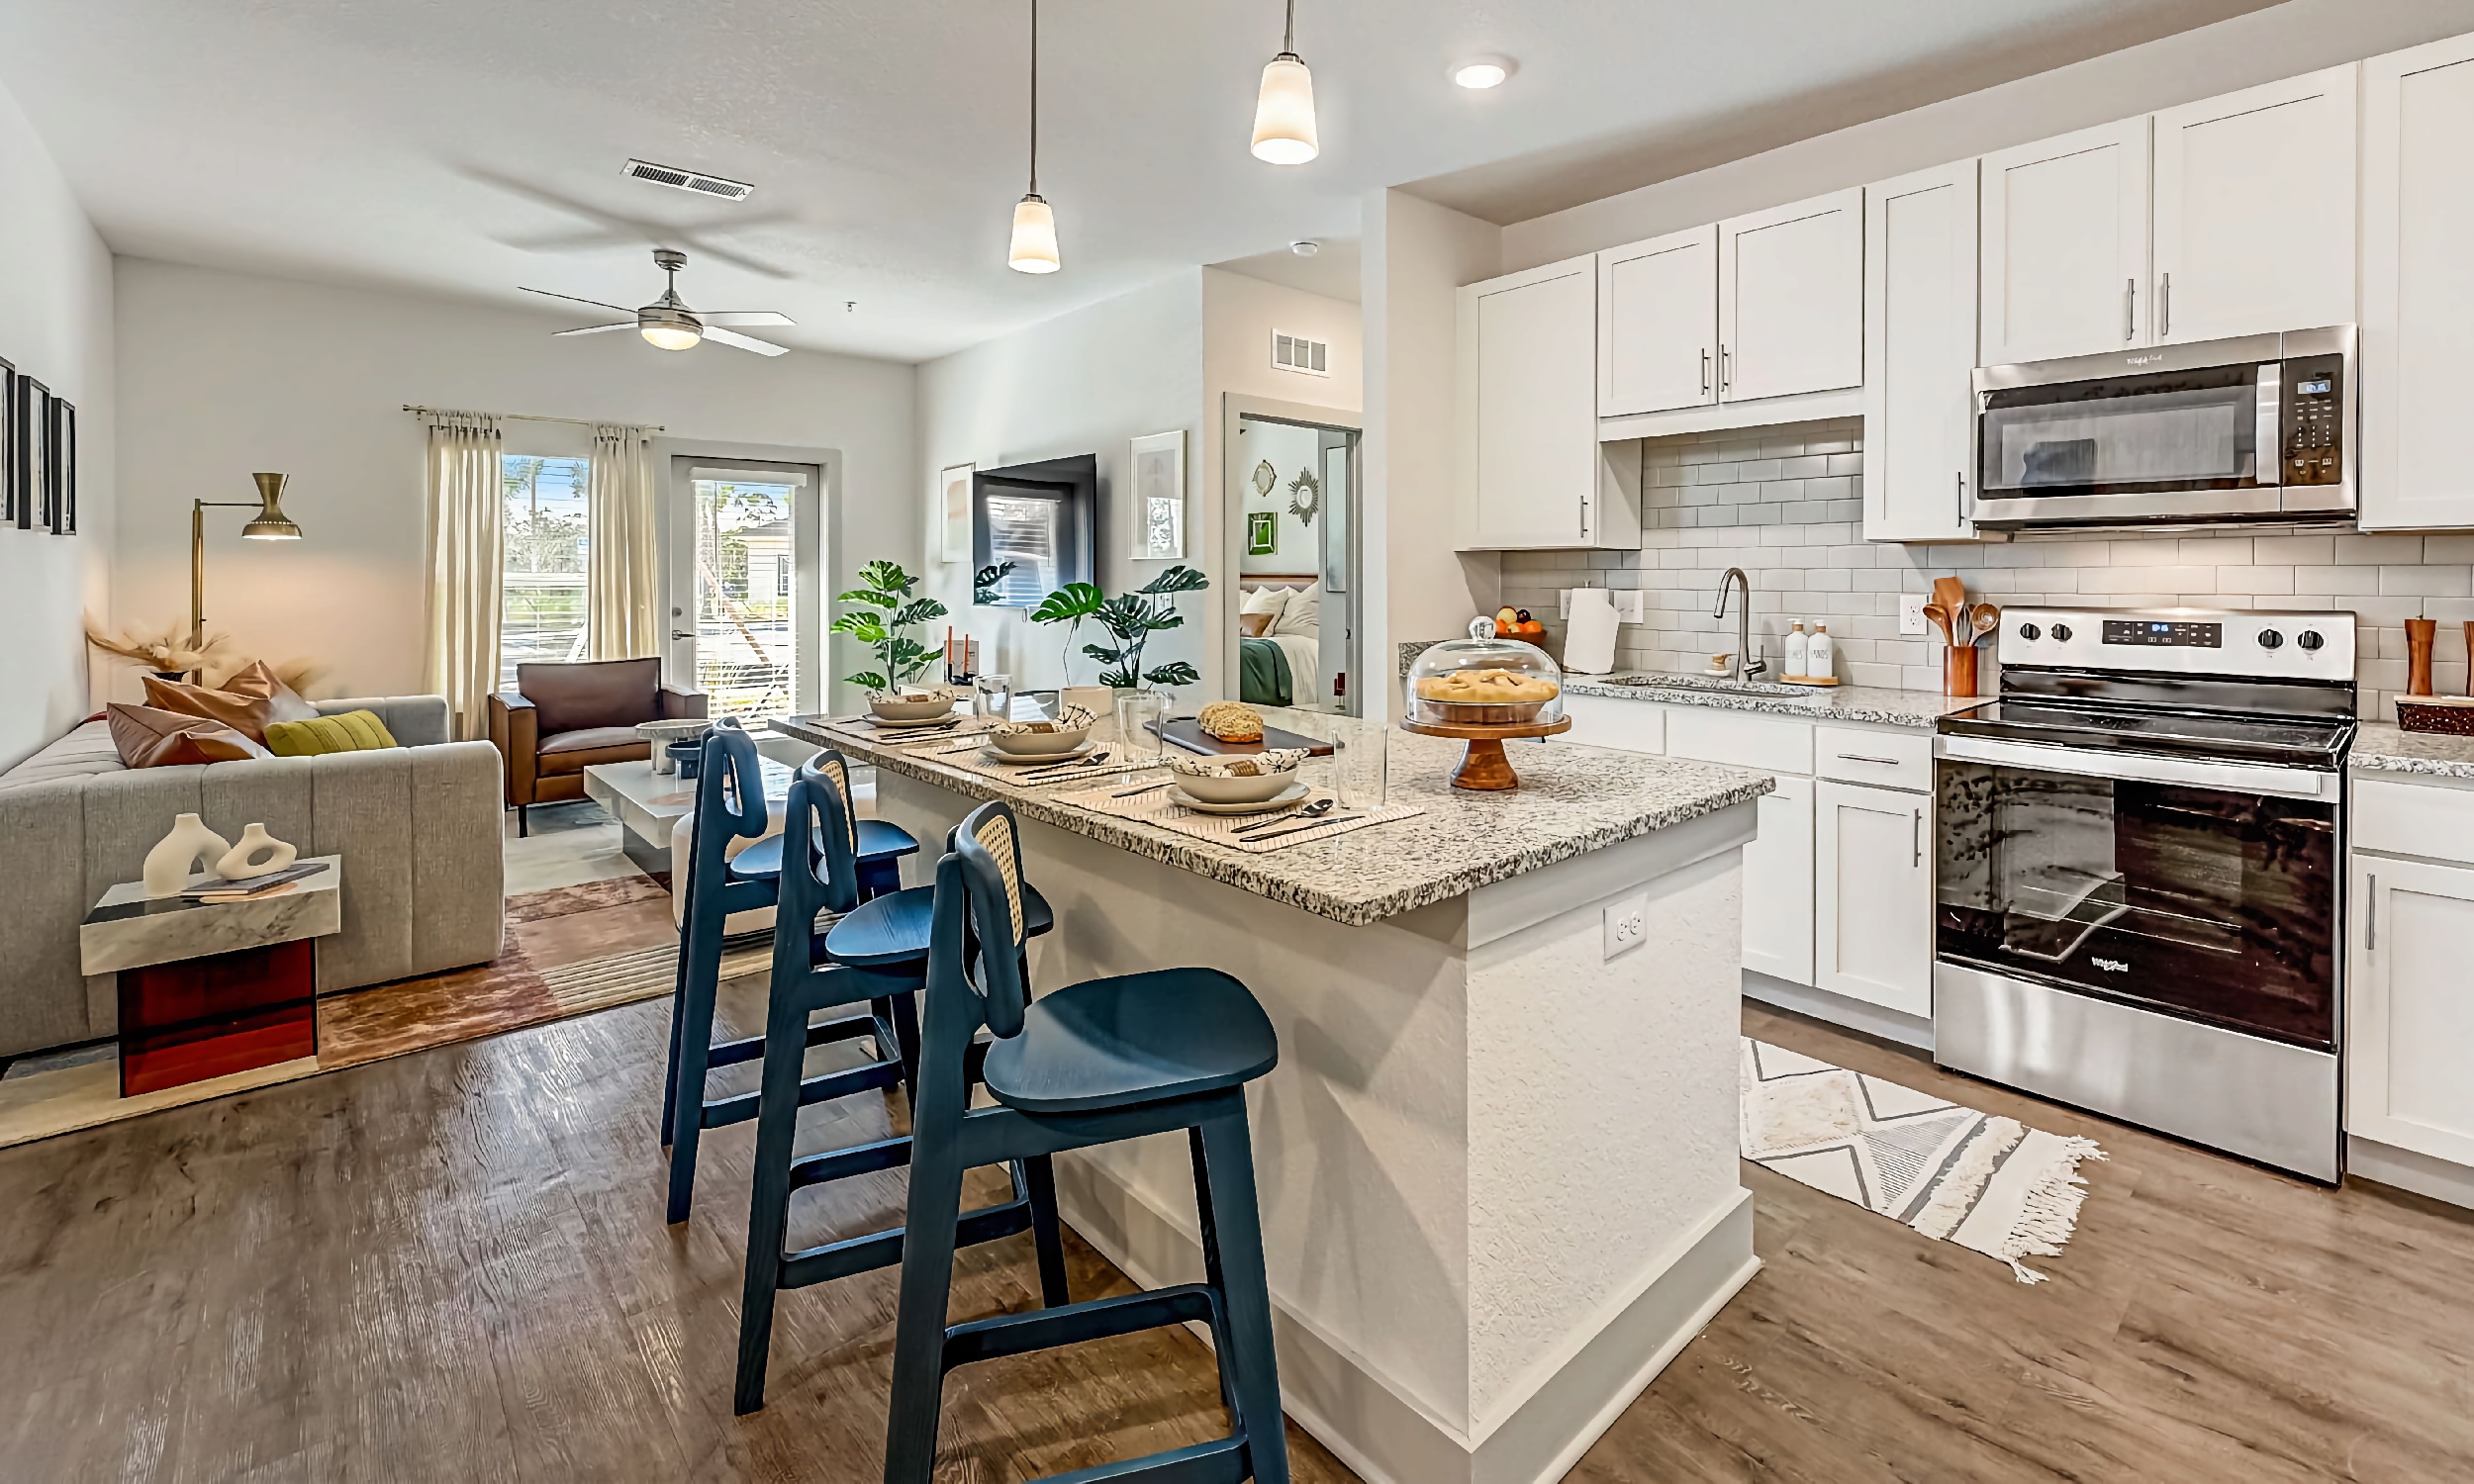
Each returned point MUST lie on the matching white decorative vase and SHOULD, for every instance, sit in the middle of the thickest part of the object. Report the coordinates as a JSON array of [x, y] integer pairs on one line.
[[190, 846], [235, 864]]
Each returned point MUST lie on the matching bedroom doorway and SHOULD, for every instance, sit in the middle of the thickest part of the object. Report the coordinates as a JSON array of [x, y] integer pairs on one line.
[[1292, 475]]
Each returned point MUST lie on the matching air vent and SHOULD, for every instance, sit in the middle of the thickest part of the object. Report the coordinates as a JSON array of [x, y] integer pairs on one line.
[[1297, 353], [689, 180]]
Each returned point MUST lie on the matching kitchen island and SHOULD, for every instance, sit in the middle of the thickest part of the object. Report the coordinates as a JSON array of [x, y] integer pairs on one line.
[[1497, 1167]]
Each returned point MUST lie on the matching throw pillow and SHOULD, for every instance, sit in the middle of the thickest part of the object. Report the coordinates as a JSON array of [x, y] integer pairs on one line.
[[148, 737], [353, 731], [1304, 616], [247, 702], [1256, 625], [1267, 602]]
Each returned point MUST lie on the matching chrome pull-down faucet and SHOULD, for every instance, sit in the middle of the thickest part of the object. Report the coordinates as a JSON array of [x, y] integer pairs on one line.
[[1745, 666]]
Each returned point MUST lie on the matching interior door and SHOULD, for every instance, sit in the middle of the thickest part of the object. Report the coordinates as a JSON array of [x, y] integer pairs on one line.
[[1873, 901], [1532, 340], [2412, 1030], [746, 586], [1658, 324], [2286, 150], [2065, 246], [2418, 287], [1920, 346], [1779, 885], [1791, 299]]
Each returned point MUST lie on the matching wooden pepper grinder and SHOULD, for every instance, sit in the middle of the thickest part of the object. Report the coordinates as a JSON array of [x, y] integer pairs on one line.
[[2421, 634]]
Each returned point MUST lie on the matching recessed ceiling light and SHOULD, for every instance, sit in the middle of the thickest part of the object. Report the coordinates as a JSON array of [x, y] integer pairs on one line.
[[1482, 71], [1306, 249]]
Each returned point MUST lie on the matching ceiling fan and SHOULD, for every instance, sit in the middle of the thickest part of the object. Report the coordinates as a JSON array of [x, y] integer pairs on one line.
[[671, 325]]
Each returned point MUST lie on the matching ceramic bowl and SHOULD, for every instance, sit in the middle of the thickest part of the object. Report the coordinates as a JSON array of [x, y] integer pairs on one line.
[[1038, 744], [893, 708], [1225, 788]]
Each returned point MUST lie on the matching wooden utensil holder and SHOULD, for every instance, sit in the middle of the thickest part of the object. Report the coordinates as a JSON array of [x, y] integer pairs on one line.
[[1959, 671], [2421, 635]]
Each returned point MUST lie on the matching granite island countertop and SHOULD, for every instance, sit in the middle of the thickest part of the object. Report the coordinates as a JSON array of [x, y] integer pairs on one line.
[[1572, 800], [2385, 747], [1877, 704]]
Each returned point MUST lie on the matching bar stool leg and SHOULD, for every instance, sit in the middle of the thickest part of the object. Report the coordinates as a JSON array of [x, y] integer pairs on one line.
[[769, 1204], [1040, 1174], [692, 1028], [927, 1274], [1233, 1251]]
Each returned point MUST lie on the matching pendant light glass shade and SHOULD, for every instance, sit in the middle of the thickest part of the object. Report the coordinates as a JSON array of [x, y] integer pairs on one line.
[[670, 337], [1283, 115], [1034, 247]]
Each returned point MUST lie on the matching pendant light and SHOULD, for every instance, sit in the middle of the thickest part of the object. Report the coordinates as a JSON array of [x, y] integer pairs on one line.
[[1035, 249], [1284, 114]]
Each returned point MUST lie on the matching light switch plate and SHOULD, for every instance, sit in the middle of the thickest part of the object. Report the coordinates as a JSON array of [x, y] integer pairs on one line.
[[1627, 923], [1911, 613]]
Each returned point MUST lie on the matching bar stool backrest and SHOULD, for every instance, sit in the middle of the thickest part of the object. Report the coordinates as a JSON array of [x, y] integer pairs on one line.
[[817, 821], [985, 917], [729, 800]]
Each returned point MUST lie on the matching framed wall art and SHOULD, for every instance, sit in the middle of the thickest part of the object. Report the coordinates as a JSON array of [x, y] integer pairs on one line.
[[953, 512], [1262, 532], [59, 499], [30, 422], [1158, 502], [8, 495]]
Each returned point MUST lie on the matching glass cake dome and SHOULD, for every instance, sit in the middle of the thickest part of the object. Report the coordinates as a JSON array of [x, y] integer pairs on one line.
[[1485, 681]]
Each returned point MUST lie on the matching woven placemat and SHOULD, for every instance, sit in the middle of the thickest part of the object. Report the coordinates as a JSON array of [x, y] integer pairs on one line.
[[1154, 806], [865, 729], [971, 757]]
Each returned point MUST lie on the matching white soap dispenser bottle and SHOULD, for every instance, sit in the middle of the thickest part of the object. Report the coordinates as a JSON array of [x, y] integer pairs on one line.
[[1799, 652], [1821, 656]]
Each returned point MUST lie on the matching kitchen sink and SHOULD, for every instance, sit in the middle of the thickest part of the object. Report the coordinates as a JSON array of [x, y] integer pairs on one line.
[[1663, 681]]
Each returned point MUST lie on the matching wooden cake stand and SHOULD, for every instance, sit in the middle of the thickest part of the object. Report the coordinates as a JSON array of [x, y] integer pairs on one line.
[[1485, 767]]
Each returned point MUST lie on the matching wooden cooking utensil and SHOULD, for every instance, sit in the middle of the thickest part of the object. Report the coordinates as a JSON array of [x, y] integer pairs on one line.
[[1951, 593], [1943, 619], [1987, 618]]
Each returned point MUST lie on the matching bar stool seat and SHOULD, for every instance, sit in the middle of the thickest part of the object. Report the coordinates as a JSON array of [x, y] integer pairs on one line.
[[892, 932], [1107, 1043], [879, 841]]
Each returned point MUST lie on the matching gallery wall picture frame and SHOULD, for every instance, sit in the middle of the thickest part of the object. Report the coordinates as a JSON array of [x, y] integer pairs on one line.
[[31, 419], [61, 462], [8, 495], [953, 511], [1159, 498], [1262, 532]]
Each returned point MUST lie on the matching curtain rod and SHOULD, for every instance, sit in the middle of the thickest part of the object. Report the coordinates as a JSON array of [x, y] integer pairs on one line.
[[527, 418]]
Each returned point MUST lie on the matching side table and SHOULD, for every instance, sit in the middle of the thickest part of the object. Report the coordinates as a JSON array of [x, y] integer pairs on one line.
[[208, 989]]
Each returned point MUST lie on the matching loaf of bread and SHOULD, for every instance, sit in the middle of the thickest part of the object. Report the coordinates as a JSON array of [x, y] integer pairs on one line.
[[1486, 688], [1231, 721]]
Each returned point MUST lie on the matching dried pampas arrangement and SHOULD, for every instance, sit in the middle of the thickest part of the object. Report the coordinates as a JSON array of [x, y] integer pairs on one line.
[[172, 653]]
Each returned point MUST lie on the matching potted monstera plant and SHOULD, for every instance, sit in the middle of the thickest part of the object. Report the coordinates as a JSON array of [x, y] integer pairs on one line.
[[886, 612], [1130, 620]]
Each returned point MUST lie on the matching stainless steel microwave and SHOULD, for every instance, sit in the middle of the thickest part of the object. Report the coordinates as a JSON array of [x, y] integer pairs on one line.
[[2256, 428]]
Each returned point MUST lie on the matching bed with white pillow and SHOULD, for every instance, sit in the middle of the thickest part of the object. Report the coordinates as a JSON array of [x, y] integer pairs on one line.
[[1283, 616]]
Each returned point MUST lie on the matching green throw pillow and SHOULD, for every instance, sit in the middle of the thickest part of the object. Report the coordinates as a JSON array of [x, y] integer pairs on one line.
[[353, 731]]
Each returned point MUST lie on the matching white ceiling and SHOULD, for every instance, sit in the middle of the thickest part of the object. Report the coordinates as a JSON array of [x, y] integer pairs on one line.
[[467, 146]]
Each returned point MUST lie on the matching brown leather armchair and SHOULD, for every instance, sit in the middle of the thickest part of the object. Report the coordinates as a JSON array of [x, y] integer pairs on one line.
[[562, 719]]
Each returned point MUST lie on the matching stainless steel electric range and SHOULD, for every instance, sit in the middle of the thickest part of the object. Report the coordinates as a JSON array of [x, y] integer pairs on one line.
[[2139, 874]]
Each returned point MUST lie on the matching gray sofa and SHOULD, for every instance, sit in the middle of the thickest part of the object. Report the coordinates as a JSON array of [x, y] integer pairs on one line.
[[418, 826]]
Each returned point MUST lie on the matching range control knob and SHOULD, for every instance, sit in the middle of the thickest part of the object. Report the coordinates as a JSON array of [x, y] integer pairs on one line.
[[2310, 639], [2270, 640], [2062, 633], [2029, 631]]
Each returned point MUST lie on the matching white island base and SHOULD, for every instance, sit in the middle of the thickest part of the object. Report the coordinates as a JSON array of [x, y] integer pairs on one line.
[[1497, 1169]]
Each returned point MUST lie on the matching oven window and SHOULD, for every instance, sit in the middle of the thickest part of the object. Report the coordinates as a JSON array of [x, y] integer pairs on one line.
[[2190, 430], [2214, 905]]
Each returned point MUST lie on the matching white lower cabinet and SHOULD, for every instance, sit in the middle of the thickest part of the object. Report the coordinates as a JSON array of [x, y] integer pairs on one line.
[[2410, 1035], [1779, 885], [1872, 895]]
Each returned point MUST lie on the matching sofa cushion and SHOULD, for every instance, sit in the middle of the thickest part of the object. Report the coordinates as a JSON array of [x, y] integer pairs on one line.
[[595, 694], [246, 703], [86, 750], [573, 752], [352, 731], [150, 738]]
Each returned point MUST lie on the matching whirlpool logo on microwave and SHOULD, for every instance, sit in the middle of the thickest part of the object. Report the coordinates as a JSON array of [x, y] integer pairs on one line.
[[2111, 965]]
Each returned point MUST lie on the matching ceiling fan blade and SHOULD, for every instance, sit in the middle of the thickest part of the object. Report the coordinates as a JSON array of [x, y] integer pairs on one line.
[[745, 342], [594, 330], [745, 316], [572, 299]]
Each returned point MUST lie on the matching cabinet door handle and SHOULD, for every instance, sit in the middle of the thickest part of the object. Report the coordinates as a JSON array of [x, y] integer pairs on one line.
[[2130, 309], [1726, 367], [2164, 305], [1915, 837], [1854, 756], [1962, 497], [1705, 370], [2371, 918]]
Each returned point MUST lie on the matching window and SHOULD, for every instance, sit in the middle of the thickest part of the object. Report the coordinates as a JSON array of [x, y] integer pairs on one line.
[[544, 537]]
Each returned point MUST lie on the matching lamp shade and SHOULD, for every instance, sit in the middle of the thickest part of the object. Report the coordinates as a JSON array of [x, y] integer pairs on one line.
[[1035, 249], [670, 337], [270, 524], [1283, 115]]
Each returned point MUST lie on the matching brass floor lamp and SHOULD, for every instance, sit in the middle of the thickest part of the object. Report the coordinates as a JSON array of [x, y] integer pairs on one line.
[[270, 525]]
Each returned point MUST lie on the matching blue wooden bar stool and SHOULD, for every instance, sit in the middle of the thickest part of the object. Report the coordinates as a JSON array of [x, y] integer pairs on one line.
[[878, 949], [730, 804], [1094, 1063]]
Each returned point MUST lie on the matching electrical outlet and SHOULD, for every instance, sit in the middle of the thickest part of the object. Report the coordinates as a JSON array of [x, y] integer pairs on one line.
[[1564, 599], [1627, 924], [1911, 612], [1629, 607]]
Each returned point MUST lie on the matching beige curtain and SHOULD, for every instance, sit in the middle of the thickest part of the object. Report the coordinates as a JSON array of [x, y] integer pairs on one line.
[[465, 503], [621, 622]]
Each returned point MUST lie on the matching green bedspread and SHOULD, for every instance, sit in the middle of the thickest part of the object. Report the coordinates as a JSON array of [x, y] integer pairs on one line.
[[1262, 674]]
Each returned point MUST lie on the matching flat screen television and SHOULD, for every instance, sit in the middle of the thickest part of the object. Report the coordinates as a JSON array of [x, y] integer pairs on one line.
[[1044, 520]]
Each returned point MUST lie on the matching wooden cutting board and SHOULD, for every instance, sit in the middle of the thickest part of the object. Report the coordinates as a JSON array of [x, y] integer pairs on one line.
[[1186, 732]]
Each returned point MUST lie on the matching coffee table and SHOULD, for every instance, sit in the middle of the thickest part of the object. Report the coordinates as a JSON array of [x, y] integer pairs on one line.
[[205, 989], [647, 803]]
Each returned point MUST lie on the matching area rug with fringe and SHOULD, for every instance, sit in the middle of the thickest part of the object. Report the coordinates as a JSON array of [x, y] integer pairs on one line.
[[1990, 1184]]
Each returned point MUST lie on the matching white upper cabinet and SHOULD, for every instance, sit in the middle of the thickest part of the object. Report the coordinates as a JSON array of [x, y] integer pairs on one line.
[[2065, 246], [1530, 473], [2283, 153], [2417, 286], [1791, 299], [1920, 348], [1658, 324]]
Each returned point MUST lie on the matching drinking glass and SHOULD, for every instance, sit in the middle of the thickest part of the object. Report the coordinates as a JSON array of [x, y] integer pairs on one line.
[[995, 695], [1138, 719], [1361, 764]]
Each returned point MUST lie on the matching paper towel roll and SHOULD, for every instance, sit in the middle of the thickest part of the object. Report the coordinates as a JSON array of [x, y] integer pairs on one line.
[[1589, 635]]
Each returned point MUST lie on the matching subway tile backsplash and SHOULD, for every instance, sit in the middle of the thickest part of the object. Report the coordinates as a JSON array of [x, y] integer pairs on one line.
[[1786, 505]]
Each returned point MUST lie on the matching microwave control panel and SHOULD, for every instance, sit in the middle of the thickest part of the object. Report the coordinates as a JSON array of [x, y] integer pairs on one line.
[[2314, 420]]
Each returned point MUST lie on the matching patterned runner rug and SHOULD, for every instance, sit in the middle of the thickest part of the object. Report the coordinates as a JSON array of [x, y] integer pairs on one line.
[[1990, 1184]]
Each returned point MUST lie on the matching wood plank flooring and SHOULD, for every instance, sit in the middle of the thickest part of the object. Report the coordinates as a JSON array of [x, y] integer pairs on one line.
[[452, 1265]]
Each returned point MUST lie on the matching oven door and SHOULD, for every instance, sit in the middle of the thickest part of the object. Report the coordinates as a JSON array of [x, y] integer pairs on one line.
[[2171, 885], [2118, 441]]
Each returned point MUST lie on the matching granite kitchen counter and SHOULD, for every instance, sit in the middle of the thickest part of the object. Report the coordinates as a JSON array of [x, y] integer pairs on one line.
[[1573, 800], [2385, 747], [1877, 704]]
